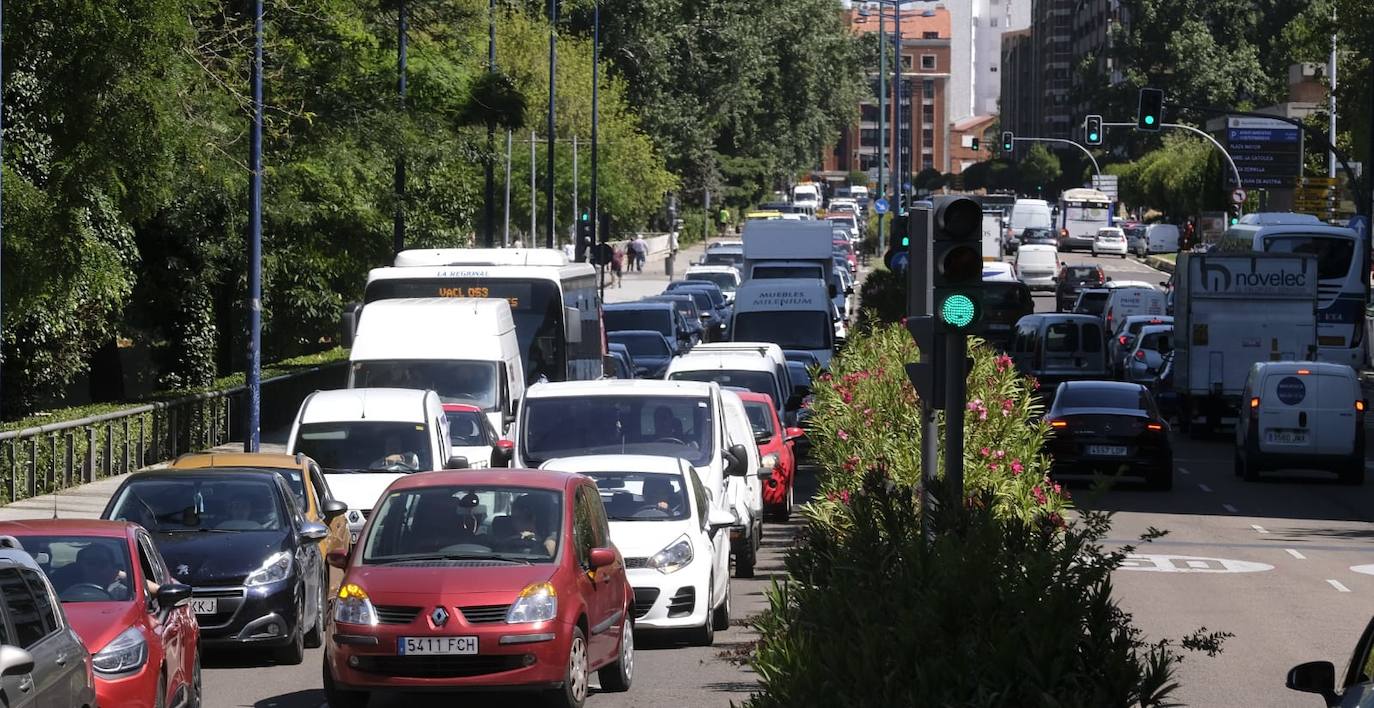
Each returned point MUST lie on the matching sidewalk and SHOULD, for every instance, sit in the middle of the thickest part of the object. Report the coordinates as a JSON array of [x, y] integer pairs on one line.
[[86, 501], [653, 279]]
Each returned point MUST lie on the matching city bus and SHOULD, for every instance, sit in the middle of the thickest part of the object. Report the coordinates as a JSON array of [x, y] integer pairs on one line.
[[1081, 213], [555, 302], [1342, 285]]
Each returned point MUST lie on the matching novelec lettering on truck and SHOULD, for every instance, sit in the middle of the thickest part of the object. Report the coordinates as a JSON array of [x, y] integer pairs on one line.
[[791, 250], [791, 313], [1232, 310]]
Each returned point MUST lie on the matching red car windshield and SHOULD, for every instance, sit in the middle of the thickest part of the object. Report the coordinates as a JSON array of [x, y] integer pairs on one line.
[[457, 523], [760, 418]]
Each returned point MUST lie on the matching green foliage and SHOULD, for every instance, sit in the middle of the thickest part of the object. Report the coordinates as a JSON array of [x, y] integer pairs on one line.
[[858, 178], [1040, 170], [882, 298], [1180, 178]]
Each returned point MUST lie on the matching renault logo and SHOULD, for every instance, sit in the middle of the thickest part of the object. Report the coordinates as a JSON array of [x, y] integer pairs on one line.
[[439, 616]]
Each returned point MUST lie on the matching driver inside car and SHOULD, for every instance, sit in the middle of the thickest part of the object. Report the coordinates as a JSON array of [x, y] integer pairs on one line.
[[394, 456], [95, 565], [666, 425], [658, 494], [525, 515]]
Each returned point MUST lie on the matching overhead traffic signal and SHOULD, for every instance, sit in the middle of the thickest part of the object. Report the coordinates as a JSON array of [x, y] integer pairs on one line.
[[1007, 140], [975, 145], [1093, 130], [957, 259], [898, 241], [1150, 113]]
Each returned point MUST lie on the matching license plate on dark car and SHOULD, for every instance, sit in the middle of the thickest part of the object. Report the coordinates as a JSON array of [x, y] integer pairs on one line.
[[1107, 450]]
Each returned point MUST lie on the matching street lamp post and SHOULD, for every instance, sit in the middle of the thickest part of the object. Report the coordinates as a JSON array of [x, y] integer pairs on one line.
[[398, 236], [882, 119], [596, 85], [489, 210], [252, 376], [553, 63], [898, 176]]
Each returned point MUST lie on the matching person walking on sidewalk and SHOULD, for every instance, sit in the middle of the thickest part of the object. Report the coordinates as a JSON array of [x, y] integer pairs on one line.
[[618, 266], [672, 253], [639, 251]]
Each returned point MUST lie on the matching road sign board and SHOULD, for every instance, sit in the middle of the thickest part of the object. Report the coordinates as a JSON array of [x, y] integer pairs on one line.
[[1267, 152], [880, 206], [1238, 196], [1318, 181]]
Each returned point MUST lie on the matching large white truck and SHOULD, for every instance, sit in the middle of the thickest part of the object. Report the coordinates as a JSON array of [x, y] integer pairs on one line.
[[1232, 310], [790, 250]]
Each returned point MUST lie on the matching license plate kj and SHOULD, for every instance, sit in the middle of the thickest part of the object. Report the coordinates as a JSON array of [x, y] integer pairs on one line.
[[1287, 437], [436, 646], [204, 606], [1107, 450]]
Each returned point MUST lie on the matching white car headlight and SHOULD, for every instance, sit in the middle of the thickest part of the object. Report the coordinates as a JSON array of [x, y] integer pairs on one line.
[[675, 557], [536, 603], [124, 654], [276, 568], [354, 607]]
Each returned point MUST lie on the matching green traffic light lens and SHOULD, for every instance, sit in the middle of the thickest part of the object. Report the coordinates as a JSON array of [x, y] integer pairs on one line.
[[957, 311], [1149, 120], [906, 241], [1092, 136]]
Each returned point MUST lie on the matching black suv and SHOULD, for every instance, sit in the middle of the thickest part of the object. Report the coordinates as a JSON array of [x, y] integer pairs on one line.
[[1074, 280]]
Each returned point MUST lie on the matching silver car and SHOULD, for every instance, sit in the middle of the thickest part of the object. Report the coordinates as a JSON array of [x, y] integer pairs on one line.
[[1147, 356], [44, 663]]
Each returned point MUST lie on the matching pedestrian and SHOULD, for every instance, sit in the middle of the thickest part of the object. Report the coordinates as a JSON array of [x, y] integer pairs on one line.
[[570, 251], [517, 243], [722, 220], [639, 249], [618, 266], [672, 253]]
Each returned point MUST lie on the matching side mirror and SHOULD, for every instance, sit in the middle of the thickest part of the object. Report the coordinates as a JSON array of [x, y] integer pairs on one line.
[[348, 322], [502, 453], [602, 557], [736, 461], [336, 559], [572, 325], [173, 595], [456, 462], [762, 436], [333, 508], [717, 519], [795, 433], [14, 660], [311, 532], [1312, 677]]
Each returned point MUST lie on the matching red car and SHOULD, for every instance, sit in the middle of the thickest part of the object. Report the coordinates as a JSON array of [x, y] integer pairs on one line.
[[122, 601], [481, 579], [848, 254], [778, 442]]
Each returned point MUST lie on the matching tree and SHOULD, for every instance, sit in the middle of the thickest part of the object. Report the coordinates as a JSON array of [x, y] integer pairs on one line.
[[1039, 170]]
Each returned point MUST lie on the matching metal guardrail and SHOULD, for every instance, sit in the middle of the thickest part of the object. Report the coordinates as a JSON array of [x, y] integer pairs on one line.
[[47, 458]]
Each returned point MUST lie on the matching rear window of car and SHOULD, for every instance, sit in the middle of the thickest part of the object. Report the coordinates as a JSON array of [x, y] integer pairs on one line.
[[1119, 397], [1079, 274], [1070, 337], [1006, 295]]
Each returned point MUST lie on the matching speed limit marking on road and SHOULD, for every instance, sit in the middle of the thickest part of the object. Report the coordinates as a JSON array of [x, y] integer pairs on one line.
[[1238, 196], [1153, 563]]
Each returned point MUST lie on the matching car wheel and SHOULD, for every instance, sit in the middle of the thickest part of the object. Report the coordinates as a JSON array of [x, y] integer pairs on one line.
[[720, 616], [160, 700], [574, 691], [791, 498], [314, 637], [193, 698], [1238, 465], [705, 635], [339, 698], [616, 678], [1123, 256], [294, 651], [744, 560]]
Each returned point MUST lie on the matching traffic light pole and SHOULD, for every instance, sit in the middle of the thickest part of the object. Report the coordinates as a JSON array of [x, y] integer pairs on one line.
[[1096, 169], [956, 385]]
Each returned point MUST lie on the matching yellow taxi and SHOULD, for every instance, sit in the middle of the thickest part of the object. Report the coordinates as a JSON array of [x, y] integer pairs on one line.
[[307, 484]]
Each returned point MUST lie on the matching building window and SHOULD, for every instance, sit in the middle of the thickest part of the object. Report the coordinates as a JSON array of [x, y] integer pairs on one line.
[[993, 69], [928, 62], [927, 163], [930, 35], [928, 87], [993, 22], [928, 113], [928, 139]]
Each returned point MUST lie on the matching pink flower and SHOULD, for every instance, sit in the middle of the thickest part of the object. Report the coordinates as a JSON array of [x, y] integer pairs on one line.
[[1058, 489], [1039, 495], [844, 495], [992, 466], [985, 452], [975, 404], [1003, 362], [843, 435], [982, 414], [1007, 405], [1000, 454], [1017, 468]]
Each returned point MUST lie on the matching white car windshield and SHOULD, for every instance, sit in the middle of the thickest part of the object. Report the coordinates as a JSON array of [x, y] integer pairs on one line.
[[642, 496], [367, 446], [676, 426]]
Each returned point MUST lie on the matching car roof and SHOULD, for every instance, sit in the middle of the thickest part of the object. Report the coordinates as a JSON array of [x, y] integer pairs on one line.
[[495, 477], [68, 527], [1155, 328], [1098, 385], [712, 269], [1037, 248], [661, 464], [635, 332], [1163, 319], [723, 361], [638, 305], [202, 460], [402, 405], [618, 387], [1125, 284]]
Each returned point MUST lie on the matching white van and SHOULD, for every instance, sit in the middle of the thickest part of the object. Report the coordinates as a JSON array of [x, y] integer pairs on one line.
[[792, 313], [365, 438], [1037, 265], [766, 357], [1029, 214], [1125, 302], [1301, 415], [745, 491], [1158, 238], [463, 348], [807, 194]]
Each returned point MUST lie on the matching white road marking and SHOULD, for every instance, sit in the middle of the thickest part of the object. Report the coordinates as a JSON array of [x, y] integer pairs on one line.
[[1295, 554], [1258, 528], [1362, 569], [1230, 508], [1156, 563], [1337, 584], [1205, 488]]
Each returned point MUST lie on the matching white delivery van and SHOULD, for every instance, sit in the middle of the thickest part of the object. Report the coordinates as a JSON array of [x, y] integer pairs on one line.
[[791, 313], [1158, 238], [365, 438], [1037, 266], [463, 348], [1029, 214], [807, 194], [1125, 302], [1301, 415]]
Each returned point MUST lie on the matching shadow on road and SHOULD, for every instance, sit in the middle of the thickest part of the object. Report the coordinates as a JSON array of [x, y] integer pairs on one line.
[[299, 699]]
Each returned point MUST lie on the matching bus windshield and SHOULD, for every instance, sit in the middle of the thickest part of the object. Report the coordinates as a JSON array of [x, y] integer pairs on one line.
[[536, 305], [1333, 254], [1085, 211]]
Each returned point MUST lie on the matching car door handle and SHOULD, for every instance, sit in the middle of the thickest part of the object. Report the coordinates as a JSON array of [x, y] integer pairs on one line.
[[1302, 419], [61, 659], [26, 684]]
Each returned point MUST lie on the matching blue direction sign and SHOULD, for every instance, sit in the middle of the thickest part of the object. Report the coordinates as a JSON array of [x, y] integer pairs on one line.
[[1267, 152], [880, 206]]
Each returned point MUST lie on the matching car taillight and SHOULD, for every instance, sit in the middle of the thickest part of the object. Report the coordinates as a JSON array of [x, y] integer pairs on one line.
[[1154, 426], [1059, 424], [1254, 403], [1064, 233], [1139, 355], [1122, 339], [1359, 406]]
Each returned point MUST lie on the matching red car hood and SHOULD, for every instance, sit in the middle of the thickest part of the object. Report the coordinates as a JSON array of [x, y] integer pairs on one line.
[[97, 623], [503, 582]]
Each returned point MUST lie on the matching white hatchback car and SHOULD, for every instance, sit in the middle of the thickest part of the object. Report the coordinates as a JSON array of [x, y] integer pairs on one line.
[[1111, 240], [1301, 415], [676, 543]]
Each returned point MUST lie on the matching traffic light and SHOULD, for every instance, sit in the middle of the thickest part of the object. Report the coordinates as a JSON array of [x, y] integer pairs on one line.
[[898, 241], [584, 235], [1150, 114], [975, 145], [957, 275], [1007, 140], [1093, 130]]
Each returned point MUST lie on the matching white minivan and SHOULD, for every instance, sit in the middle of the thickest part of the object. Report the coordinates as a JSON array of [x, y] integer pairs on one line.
[[1036, 266], [1301, 415], [463, 348], [1158, 238], [1029, 214]]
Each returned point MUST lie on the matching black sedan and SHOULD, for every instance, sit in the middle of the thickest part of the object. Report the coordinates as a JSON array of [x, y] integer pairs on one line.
[[1109, 427], [236, 537], [1073, 280], [650, 351]]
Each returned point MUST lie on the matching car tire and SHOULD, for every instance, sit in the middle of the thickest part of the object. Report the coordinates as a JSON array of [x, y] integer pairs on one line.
[[1249, 470], [720, 615], [314, 637], [616, 677], [791, 498], [194, 696], [294, 652], [160, 700], [340, 698], [1352, 472], [705, 634], [1238, 465], [1123, 256], [573, 693]]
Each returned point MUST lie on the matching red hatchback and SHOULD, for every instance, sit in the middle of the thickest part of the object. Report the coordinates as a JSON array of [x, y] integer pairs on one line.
[[776, 445], [481, 579], [120, 598]]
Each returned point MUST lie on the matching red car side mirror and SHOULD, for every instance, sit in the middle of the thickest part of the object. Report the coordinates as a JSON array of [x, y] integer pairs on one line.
[[794, 433], [602, 557]]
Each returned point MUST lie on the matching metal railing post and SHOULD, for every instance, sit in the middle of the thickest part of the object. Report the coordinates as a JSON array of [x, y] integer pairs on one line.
[[32, 481], [88, 474], [70, 439]]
